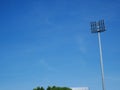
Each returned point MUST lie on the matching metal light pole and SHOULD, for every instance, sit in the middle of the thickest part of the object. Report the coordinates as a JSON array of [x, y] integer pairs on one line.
[[98, 27]]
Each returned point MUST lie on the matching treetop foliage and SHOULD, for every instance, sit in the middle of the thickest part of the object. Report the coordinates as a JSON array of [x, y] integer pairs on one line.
[[52, 88]]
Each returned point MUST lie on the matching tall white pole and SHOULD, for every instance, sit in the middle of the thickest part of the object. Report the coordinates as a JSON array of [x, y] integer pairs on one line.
[[101, 61]]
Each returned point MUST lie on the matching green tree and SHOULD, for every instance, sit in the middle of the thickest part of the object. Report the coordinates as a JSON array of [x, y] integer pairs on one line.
[[53, 88], [42, 88], [48, 88], [39, 88]]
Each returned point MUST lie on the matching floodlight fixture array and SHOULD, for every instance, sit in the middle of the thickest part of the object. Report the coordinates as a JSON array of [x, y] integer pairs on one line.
[[97, 26]]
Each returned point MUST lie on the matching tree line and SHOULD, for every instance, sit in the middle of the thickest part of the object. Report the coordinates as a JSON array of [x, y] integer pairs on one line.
[[52, 88]]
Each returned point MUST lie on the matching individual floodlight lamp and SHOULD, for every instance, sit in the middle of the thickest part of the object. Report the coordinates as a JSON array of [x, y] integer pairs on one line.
[[98, 27]]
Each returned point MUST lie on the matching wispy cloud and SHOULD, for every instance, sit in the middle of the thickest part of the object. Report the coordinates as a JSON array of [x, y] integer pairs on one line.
[[82, 45], [113, 78], [46, 65]]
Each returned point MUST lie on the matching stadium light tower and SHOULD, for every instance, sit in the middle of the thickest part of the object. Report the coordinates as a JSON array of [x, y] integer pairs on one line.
[[98, 27]]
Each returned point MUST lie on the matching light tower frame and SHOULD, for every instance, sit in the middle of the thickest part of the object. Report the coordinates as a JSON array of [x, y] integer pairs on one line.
[[98, 27]]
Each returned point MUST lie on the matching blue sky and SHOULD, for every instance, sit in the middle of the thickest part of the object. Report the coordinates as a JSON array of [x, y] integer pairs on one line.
[[48, 42]]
